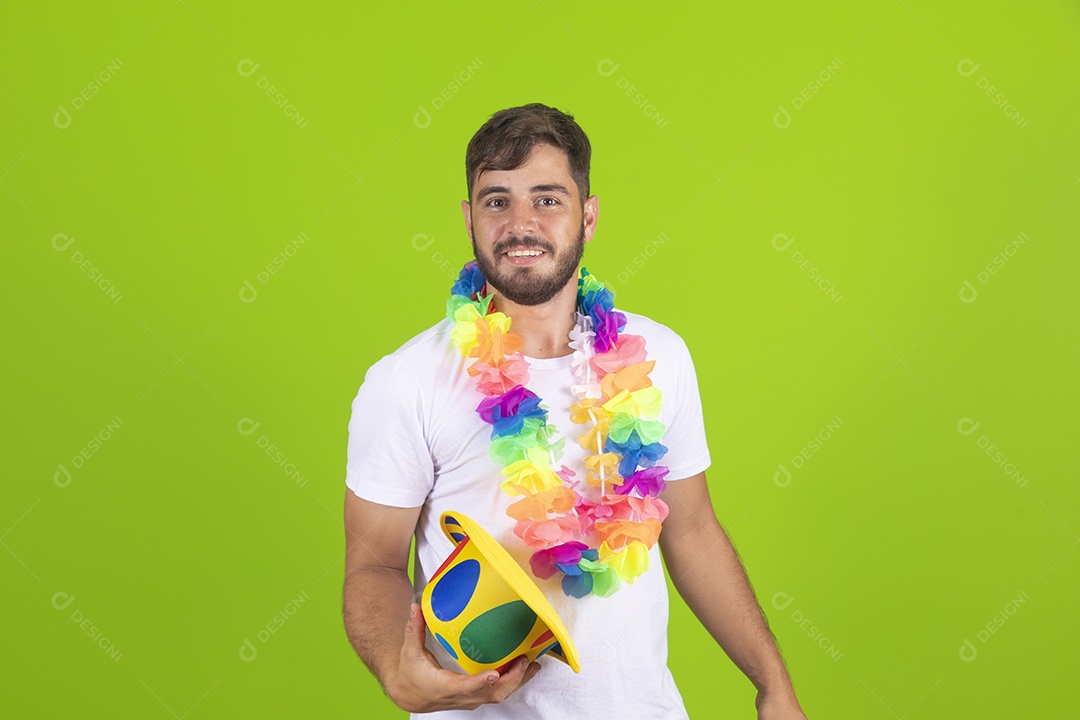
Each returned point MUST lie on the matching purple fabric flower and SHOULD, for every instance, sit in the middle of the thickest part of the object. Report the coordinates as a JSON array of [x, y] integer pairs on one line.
[[544, 562], [648, 482], [507, 412], [606, 325]]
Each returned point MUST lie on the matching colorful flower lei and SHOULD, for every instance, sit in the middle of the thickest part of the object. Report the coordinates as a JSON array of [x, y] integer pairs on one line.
[[619, 506]]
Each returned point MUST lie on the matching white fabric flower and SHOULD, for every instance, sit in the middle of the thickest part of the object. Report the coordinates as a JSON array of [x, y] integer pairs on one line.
[[582, 340]]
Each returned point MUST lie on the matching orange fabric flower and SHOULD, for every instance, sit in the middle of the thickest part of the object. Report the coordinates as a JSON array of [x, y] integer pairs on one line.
[[618, 533], [494, 341], [631, 378], [537, 507]]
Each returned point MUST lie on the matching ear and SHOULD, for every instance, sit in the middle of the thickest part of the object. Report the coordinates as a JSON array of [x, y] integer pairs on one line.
[[466, 210], [590, 214]]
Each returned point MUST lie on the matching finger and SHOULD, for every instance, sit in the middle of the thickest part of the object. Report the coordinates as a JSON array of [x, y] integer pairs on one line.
[[530, 673], [531, 669], [510, 681]]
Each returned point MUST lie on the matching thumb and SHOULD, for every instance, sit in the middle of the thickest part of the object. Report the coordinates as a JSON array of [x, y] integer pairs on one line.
[[414, 629]]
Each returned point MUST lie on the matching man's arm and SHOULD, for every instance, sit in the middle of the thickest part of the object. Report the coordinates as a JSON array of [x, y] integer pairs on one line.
[[709, 576], [387, 629]]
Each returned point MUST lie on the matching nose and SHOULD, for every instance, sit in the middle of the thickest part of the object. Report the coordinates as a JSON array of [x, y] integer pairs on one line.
[[522, 220]]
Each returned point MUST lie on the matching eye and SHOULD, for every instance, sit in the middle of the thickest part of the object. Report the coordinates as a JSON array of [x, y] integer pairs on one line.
[[548, 201], [495, 202]]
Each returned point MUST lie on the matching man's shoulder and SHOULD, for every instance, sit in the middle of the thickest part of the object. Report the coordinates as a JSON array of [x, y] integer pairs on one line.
[[420, 353], [425, 342], [650, 329]]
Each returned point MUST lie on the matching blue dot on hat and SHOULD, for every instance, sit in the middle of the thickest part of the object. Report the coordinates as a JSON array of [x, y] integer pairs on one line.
[[454, 590], [446, 645]]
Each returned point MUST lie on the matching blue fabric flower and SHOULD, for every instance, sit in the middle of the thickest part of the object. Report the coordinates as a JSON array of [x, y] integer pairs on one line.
[[470, 280], [577, 585], [507, 412], [634, 453]]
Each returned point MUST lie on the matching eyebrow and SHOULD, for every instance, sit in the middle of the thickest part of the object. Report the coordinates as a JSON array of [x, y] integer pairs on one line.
[[551, 187]]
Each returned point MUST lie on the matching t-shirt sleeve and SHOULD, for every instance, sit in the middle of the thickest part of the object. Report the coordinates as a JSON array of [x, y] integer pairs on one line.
[[388, 458], [688, 451]]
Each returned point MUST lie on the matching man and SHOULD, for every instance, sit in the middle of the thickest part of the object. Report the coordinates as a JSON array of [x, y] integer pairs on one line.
[[417, 448]]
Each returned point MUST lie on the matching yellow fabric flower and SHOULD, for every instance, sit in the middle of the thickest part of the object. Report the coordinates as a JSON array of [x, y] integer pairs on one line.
[[464, 333], [531, 475], [584, 413], [628, 563], [606, 464], [643, 403]]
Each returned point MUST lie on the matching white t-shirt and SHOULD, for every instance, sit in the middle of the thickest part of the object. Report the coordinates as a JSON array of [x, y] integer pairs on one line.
[[415, 439]]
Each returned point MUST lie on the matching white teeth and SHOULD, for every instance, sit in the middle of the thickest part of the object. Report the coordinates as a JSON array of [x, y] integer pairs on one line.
[[524, 253]]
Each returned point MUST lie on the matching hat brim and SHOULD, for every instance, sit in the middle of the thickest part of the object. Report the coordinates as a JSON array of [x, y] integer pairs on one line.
[[458, 527]]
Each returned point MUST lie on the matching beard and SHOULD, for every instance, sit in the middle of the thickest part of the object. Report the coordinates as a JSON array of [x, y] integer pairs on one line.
[[526, 285]]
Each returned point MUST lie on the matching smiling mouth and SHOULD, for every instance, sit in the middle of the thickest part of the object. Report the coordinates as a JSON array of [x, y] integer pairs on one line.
[[532, 252]]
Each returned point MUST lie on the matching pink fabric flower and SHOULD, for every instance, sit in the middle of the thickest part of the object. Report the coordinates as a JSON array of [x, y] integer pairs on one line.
[[497, 380], [635, 509], [647, 508], [627, 350], [589, 512], [547, 533]]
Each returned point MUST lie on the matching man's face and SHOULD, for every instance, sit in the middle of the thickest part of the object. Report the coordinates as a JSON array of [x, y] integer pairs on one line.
[[529, 226]]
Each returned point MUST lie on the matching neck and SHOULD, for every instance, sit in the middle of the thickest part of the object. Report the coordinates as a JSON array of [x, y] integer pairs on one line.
[[544, 329]]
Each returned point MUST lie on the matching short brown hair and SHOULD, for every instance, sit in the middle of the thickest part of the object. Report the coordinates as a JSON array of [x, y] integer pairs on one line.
[[505, 141]]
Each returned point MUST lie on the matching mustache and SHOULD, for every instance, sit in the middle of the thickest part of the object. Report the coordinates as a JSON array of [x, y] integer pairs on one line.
[[527, 241]]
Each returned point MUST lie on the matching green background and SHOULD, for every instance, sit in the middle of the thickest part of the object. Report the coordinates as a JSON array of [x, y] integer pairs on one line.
[[882, 556]]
